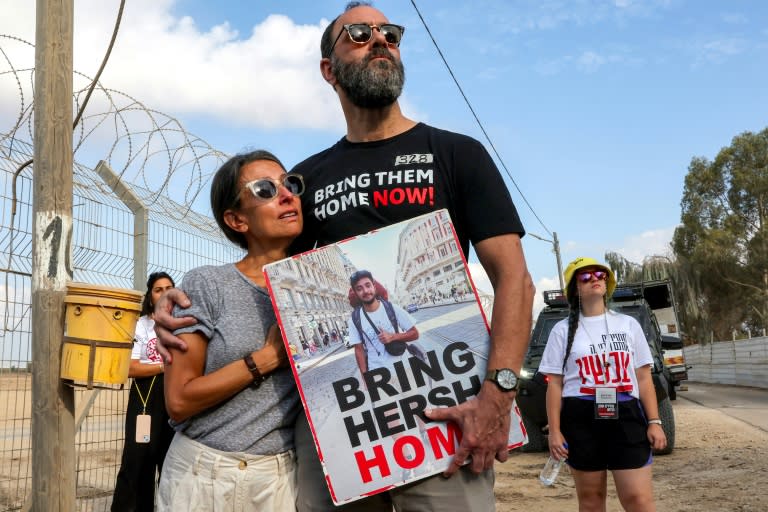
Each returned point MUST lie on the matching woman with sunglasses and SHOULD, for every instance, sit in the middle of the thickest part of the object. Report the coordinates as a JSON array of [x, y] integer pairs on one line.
[[230, 395], [601, 404]]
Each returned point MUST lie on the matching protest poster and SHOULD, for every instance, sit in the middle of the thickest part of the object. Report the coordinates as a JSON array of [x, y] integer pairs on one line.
[[369, 428]]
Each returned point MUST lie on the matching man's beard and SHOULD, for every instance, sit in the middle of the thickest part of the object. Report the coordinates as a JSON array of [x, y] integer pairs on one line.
[[369, 86]]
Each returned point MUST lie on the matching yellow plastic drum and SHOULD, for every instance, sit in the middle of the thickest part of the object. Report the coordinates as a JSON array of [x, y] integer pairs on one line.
[[100, 323]]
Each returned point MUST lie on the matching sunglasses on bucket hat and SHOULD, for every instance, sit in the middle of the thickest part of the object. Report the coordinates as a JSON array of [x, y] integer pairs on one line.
[[586, 276], [267, 189], [361, 33]]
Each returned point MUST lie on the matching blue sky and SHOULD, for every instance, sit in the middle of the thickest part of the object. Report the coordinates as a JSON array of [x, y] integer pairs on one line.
[[595, 107]]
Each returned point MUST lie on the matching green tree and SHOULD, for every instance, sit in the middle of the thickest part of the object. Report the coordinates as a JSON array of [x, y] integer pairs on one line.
[[625, 270], [657, 268], [721, 246]]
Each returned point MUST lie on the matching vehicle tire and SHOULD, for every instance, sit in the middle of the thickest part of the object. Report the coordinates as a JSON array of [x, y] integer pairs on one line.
[[672, 392], [537, 442], [667, 417]]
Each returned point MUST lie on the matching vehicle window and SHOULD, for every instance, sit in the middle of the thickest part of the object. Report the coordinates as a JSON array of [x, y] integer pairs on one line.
[[542, 330], [638, 314]]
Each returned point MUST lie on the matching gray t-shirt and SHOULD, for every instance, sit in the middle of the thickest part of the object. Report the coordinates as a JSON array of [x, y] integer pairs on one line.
[[235, 314]]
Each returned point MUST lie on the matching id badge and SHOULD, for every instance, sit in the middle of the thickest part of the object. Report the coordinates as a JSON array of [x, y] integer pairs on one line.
[[606, 405], [143, 427]]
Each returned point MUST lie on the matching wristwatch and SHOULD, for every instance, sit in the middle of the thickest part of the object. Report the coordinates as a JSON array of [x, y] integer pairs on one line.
[[505, 378]]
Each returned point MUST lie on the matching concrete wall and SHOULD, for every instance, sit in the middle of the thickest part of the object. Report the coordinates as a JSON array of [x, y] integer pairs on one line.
[[739, 363]]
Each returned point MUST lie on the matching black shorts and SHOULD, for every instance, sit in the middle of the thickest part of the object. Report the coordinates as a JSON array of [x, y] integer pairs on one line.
[[595, 445]]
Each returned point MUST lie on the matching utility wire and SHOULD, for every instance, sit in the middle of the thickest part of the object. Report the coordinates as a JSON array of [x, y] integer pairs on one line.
[[477, 119], [82, 107]]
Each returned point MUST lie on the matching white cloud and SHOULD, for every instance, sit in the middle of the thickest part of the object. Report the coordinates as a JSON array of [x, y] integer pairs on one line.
[[542, 285], [553, 14], [483, 284], [480, 278], [590, 61], [734, 18], [266, 79], [587, 61], [655, 242], [718, 50], [634, 247]]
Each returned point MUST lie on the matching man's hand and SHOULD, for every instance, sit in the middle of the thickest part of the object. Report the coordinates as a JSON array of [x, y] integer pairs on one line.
[[274, 348], [165, 323], [386, 337], [484, 423]]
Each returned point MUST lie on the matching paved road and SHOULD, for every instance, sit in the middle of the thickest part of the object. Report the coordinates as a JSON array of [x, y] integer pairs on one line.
[[749, 405]]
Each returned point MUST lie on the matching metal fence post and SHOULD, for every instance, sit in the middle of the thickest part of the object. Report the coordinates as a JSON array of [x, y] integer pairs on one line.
[[140, 221]]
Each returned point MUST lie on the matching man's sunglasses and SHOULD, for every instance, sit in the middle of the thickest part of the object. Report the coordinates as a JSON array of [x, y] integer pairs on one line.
[[266, 189], [586, 277], [361, 33]]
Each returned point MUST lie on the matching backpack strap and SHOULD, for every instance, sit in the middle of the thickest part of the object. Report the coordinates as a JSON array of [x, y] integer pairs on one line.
[[358, 324], [356, 321], [390, 313]]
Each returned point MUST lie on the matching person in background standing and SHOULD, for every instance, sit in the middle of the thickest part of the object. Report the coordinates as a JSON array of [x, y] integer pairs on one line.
[[601, 404], [143, 456]]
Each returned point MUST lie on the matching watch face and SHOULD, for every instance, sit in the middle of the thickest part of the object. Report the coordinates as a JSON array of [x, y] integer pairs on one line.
[[506, 378]]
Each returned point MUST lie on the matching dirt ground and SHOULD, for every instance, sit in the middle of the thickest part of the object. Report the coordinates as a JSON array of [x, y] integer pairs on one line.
[[718, 464]]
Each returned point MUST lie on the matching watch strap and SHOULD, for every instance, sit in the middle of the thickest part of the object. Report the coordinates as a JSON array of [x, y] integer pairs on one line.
[[258, 378]]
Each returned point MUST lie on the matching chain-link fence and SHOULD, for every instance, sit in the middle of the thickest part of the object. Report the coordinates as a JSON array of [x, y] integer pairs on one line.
[[125, 225], [103, 249]]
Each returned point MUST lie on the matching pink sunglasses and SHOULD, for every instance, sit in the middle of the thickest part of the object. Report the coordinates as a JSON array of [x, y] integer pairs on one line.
[[586, 277]]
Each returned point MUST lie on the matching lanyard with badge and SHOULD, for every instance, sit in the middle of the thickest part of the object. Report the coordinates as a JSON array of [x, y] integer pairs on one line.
[[144, 420], [606, 399]]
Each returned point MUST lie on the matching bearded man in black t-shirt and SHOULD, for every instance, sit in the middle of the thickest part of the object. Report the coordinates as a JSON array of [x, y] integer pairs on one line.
[[387, 169]]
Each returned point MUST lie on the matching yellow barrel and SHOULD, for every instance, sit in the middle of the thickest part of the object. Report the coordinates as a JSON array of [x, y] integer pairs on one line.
[[100, 322]]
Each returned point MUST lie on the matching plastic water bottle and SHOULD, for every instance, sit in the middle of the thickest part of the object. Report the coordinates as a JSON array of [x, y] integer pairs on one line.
[[551, 469]]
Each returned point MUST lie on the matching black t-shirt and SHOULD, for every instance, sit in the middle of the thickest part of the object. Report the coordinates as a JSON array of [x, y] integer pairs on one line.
[[353, 188]]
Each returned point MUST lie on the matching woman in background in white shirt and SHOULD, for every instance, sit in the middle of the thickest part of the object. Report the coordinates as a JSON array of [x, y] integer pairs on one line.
[[601, 404], [143, 455]]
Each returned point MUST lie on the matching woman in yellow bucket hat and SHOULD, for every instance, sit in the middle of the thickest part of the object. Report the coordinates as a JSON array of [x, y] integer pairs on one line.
[[601, 404]]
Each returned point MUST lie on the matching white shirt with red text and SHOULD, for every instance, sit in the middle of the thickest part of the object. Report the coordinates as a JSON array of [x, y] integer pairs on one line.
[[599, 357]]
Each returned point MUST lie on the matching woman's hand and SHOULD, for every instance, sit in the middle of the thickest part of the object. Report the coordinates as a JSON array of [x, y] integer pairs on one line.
[[557, 446], [657, 437]]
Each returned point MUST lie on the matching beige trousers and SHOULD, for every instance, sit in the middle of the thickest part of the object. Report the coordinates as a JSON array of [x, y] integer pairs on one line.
[[196, 477]]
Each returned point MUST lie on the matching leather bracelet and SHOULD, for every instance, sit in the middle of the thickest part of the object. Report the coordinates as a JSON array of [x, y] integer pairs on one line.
[[258, 378], [655, 421]]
